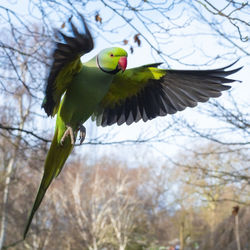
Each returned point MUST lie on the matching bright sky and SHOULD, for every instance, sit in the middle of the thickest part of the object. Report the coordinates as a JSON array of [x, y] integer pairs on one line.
[[143, 55]]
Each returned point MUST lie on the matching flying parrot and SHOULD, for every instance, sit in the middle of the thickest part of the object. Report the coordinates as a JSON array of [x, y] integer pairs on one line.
[[104, 89]]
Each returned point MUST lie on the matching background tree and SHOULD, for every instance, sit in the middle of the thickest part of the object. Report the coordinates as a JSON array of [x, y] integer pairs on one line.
[[165, 195]]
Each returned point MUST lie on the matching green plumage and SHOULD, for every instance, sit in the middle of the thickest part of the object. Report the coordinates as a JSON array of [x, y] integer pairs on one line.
[[101, 88], [85, 92]]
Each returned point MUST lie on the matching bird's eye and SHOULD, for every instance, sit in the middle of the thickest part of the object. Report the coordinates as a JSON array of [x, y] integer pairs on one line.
[[111, 55]]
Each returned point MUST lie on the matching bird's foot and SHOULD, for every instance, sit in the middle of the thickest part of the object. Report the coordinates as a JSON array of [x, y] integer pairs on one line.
[[69, 131], [82, 130]]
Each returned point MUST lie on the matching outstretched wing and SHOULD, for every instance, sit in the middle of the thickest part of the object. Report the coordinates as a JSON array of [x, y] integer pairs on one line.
[[147, 92], [66, 63]]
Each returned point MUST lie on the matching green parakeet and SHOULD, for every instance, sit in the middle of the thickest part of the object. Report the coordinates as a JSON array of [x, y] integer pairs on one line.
[[104, 89]]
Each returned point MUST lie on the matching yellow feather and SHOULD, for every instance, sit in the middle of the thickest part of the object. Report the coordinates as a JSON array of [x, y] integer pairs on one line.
[[130, 83]]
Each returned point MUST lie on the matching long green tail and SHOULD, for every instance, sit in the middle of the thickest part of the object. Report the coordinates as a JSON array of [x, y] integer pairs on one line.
[[55, 160]]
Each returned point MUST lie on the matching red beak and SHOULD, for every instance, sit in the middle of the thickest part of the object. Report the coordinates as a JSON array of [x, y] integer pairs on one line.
[[122, 63]]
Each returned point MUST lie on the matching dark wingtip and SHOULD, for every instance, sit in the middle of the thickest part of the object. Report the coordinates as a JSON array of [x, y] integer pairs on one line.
[[230, 72], [67, 49], [154, 65], [229, 66], [48, 106], [235, 70]]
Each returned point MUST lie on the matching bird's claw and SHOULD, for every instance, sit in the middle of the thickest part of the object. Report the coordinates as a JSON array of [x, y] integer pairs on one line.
[[69, 131], [82, 130]]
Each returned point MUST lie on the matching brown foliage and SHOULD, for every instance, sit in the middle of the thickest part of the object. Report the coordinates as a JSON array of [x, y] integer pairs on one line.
[[224, 234]]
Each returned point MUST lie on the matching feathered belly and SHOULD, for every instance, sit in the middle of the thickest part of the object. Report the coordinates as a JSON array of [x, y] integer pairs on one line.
[[82, 99]]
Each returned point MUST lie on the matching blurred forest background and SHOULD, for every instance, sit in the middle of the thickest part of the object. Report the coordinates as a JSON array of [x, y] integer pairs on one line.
[[136, 195]]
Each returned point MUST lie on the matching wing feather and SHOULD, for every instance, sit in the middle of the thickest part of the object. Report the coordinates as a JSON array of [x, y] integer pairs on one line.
[[66, 63], [147, 92]]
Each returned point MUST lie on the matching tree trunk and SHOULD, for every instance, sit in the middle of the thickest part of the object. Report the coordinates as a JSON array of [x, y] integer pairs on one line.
[[122, 247], [9, 170], [5, 199], [237, 233], [182, 243]]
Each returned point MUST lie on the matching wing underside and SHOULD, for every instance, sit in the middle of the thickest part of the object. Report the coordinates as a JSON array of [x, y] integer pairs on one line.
[[173, 91]]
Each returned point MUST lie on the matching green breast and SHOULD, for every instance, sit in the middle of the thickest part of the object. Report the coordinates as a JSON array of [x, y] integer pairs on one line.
[[86, 91]]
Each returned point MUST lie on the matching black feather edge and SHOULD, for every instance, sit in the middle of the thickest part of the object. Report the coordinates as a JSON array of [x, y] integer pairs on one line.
[[63, 54]]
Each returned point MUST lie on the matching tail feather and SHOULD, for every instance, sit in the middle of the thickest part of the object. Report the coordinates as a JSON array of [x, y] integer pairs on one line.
[[55, 160]]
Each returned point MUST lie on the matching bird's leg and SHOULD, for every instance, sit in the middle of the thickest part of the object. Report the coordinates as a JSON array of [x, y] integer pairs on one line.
[[82, 130], [69, 131]]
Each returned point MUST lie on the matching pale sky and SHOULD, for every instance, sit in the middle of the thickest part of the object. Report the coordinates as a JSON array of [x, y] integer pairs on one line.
[[143, 55]]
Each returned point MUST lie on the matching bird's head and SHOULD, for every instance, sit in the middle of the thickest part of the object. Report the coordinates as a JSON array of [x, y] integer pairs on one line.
[[112, 60]]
